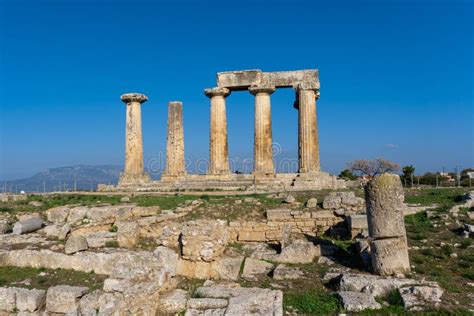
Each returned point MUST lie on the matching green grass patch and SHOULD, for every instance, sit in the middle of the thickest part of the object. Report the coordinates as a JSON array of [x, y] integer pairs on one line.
[[164, 202], [319, 303], [40, 278]]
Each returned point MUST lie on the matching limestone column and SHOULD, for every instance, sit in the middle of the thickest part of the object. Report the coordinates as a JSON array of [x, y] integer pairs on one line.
[[218, 147], [175, 142], [308, 146], [134, 167], [384, 197], [263, 156]]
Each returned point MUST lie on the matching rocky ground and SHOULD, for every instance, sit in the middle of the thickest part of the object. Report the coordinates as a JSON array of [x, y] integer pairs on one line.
[[269, 254]]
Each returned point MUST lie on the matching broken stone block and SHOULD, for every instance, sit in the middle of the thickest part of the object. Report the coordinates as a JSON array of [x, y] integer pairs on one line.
[[299, 251], [3, 226], [29, 300], [312, 202], [77, 214], [141, 211], [420, 297], [254, 269], [207, 303], [7, 299], [331, 202], [27, 226], [204, 240], [357, 301], [290, 199], [58, 231], [64, 298], [58, 214], [284, 272], [173, 302], [128, 234], [256, 302], [91, 303], [75, 244], [228, 268], [279, 214]]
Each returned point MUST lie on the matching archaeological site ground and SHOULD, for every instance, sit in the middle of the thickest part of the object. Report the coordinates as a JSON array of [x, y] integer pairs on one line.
[[307, 252]]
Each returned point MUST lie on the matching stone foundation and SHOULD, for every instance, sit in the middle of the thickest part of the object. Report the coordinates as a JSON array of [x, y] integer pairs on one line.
[[235, 182], [279, 220]]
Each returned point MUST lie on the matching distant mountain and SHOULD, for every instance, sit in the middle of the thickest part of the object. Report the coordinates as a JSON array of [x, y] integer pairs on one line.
[[81, 177]]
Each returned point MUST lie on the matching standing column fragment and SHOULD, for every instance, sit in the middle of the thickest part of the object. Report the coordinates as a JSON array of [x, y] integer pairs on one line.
[[218, 147], [134, 171], [175, 163], [308, 145], [384, 197], [263, 141]]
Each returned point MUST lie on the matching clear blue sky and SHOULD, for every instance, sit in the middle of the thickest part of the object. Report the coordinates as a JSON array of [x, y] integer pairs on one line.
[[396, 77]]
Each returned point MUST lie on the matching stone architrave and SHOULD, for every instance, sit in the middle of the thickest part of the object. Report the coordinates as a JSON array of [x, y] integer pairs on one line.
[[218, 151], [308, 144], [175, 164], [134, 171], [384, 198], [263, 155]]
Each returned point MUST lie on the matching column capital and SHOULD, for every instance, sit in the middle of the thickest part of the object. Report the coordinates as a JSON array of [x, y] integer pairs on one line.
[[261, 89], [217, 91], [306, 85], [134, 97]]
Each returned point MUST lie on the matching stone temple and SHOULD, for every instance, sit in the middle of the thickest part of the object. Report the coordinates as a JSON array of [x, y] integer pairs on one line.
[[219, 175]]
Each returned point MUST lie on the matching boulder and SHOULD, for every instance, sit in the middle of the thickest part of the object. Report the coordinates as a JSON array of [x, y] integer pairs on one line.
[[128, 234], [357, 301], [27, 226], [140, 211], [312, 202], [284, 272], [58, 214], [254, 269], [58, 231], [64, 298], [173, 302], [75, 244]]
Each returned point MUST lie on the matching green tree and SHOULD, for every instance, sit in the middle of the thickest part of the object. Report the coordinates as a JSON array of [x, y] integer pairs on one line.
[[347, 174], [408, 173]]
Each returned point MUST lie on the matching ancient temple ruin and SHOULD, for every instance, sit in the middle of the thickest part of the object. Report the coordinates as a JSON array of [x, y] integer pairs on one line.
[[219, 176]]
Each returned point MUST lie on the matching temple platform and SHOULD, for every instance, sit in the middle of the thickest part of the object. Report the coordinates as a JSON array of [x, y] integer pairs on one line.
[[280, 182]]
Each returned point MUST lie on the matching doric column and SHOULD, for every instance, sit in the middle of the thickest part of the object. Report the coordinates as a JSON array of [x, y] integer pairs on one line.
[[308, 147], [263, 156], [218, 149], [175, 142], [134, 168]]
